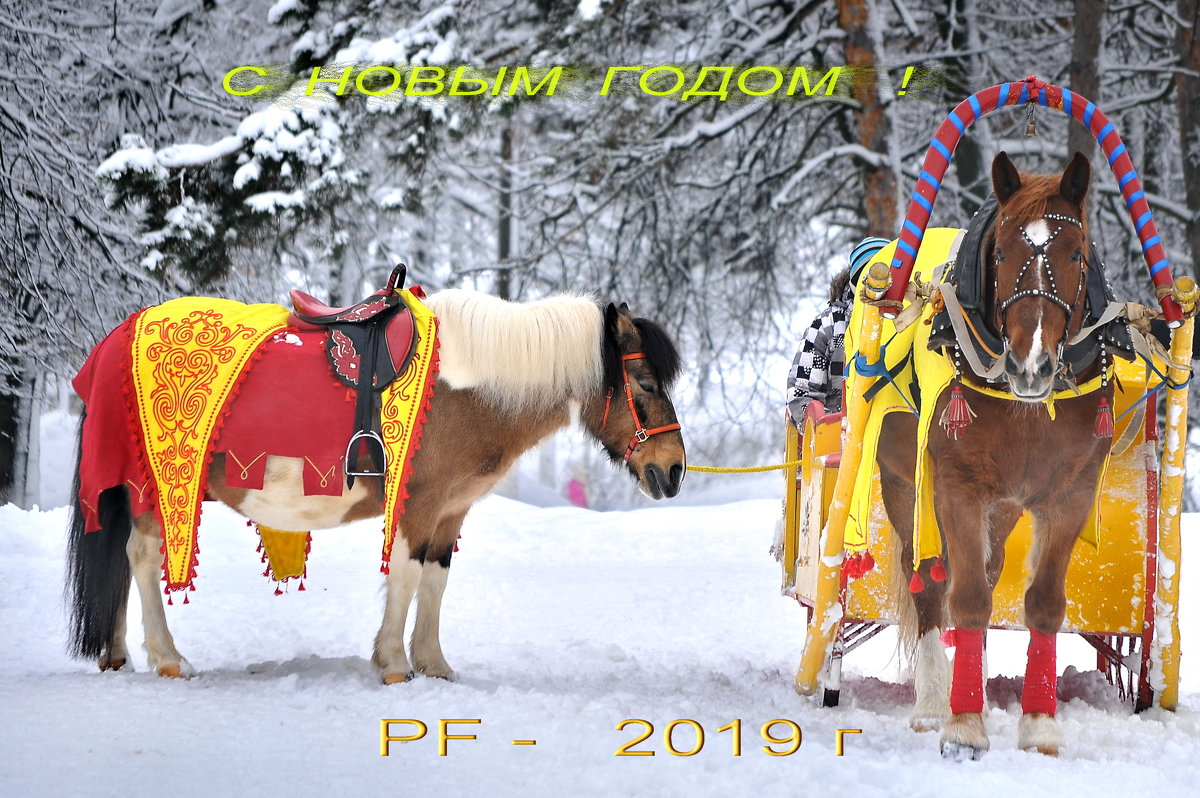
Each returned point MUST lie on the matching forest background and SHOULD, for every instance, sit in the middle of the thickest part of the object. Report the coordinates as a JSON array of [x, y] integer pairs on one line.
[[128, 174]]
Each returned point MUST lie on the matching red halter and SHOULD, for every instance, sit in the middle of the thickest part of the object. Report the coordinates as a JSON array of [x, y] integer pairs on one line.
[[640, 433]]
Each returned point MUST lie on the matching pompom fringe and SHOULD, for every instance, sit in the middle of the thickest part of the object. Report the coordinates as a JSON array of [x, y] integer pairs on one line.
[[958, 414]]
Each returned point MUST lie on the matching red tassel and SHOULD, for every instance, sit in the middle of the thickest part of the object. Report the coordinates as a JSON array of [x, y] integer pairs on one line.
[[868, 562], [958, 414], [938, 571], [249, 522], [267, 572], [278, 591], [302, 584], [916, 584], [456, 544], [383, 569], [171, 603], [185, 598], [1104, 420], [853, 566]]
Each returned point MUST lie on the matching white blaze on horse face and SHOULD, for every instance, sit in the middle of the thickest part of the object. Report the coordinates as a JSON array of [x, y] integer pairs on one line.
[[1039, 233]]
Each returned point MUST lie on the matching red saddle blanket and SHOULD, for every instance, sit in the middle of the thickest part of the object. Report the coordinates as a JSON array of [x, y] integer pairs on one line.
[[289, 405]]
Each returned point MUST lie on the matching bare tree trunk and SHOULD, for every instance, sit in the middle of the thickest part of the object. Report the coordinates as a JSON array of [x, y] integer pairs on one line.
[[970, 165], [1083, 69], [871, 120], [1187, 100], [16, 405], [504, 275]]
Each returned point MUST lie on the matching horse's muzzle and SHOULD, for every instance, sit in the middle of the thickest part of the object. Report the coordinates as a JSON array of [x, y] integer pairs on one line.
[[660, 484], [1030, 382]]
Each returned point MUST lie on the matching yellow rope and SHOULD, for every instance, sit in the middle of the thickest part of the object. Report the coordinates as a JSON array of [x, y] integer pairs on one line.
[[743, 469]]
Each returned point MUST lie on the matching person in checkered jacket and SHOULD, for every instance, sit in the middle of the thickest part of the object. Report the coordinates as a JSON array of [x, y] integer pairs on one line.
[[820, 364]]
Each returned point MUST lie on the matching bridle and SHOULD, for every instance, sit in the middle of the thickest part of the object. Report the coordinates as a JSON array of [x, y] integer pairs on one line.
[[1039, 256], [640, 433]]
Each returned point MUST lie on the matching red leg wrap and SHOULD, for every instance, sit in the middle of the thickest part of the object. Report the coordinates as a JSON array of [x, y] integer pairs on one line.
[[966, 692], [1041, 675]]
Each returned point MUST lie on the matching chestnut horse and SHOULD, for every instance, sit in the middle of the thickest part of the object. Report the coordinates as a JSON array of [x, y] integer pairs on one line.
[[1011, 458], [509, 376]]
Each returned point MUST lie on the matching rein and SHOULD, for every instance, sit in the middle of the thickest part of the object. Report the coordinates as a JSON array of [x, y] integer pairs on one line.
[[640, 433]]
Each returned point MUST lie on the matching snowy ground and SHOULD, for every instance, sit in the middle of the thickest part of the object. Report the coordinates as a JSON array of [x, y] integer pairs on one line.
[[561, 623]]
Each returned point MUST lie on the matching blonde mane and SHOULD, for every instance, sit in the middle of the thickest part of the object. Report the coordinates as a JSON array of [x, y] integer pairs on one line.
[[521, 356]]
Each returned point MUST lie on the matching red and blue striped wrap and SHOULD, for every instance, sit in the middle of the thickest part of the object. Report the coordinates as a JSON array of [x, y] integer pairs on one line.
[[1030, 90]]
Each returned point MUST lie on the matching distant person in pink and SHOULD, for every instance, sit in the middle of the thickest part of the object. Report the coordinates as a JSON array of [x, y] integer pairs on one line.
[[577, 489]]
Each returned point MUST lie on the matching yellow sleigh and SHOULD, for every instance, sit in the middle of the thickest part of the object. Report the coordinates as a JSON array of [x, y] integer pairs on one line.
[[1116, 599]]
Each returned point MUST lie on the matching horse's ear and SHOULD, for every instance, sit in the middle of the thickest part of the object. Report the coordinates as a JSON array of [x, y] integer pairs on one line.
[[1075, 179], [610, 318], [1006, 180], [625, 309]]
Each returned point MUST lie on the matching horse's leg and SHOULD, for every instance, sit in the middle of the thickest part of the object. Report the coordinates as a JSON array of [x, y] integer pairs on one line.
[[932, 678], [427, 655], [116, 653], [145, 559], [1004, 516], [963, 514], [1056, 526], [404, 575]]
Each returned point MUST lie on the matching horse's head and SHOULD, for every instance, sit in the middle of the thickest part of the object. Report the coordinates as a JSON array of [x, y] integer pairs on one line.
[[1038, 270], [632, 416]]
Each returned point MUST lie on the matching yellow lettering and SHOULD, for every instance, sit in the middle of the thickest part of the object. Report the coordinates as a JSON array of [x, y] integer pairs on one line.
[[460, 77], [612, 73], [386, 738], [522, 75], [744, 79], [341, 82], [644, 81], [444, 724], [361, 81], [415, 77], [228, 81], [838, 743], [699, 90], [800, 73]]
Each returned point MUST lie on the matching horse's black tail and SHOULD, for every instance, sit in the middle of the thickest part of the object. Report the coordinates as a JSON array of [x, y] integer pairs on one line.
[[98, 572]]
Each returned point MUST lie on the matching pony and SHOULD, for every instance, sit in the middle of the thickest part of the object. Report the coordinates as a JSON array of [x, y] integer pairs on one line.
[[510, 375], [1014, 456]]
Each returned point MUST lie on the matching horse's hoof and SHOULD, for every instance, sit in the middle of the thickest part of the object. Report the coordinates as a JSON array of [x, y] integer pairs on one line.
[[436, 669], [111, 664], [964, 737], [959, 752], [1040, 733], [1048, 750], [398, 678], [173, 672], [926, 724]]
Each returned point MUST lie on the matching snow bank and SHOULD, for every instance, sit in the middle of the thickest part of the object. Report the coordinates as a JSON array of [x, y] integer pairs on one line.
[[562, 623]]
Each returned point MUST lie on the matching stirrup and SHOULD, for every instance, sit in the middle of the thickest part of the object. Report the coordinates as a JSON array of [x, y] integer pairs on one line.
[[370, 435]]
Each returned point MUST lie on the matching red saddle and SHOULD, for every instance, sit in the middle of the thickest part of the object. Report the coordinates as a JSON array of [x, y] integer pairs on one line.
[[369, 344]]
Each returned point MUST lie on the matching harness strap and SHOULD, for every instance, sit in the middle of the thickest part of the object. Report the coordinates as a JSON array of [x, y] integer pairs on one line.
[[1111, 311], [957, 321]]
